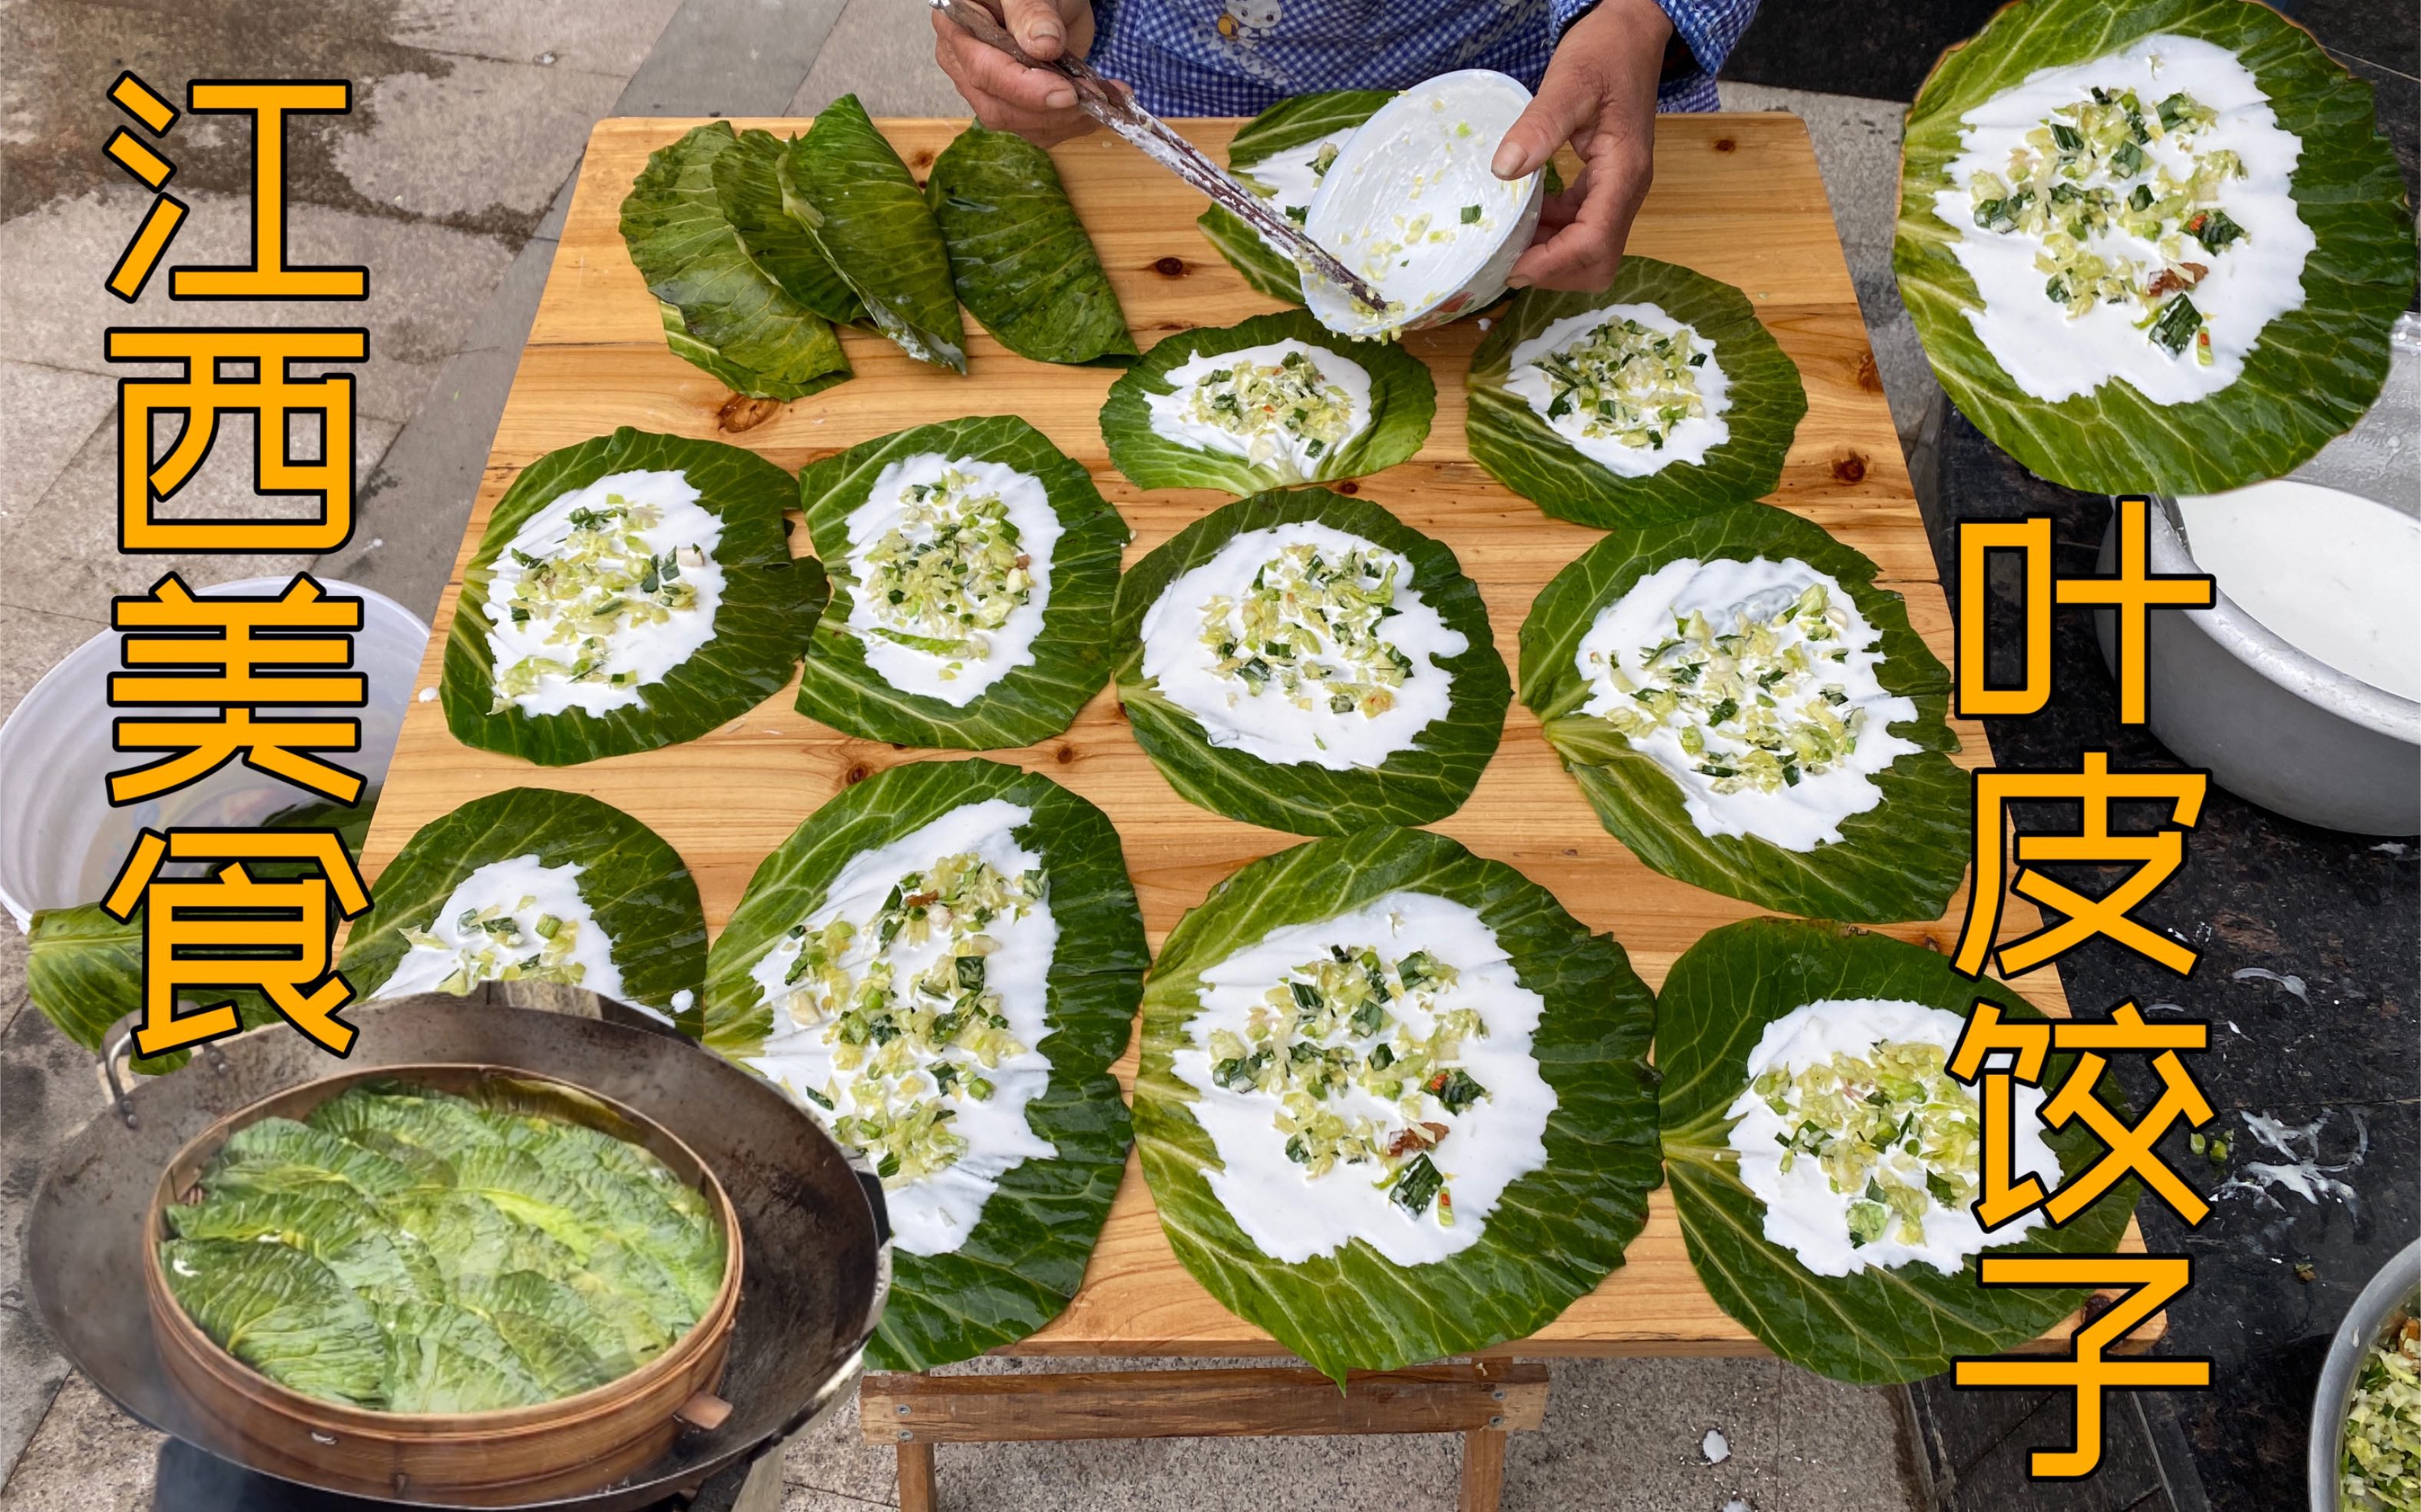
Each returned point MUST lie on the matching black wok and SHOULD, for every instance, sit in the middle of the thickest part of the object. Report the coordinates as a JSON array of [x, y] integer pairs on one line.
[[818, 1257]]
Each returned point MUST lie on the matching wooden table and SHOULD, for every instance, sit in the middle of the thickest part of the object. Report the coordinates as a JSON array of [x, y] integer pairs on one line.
[[1736, 197]]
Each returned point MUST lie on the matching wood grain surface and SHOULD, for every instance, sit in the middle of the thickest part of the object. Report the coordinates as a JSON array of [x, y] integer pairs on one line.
[[1737, 197]]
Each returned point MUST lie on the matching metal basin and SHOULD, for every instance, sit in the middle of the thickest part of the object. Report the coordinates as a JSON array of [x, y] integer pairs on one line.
[[2363, 1327], [818, 1260], [2272, 724]]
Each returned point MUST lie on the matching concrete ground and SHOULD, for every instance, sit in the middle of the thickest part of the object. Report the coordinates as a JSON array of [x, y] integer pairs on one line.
[[449, 181]]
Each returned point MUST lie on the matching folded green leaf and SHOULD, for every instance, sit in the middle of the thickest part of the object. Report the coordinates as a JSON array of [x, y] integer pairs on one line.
[[1027, 1254], [1289, 126], [1073, 653], [764, 342], [748, 183], [2314, 369], [1762, 406], [1555, 1232], [1877, 1325], [768, 608], [633, 885], [1428, 780], [1020, 257], [1900, 860], [844, 182], [282, 1313], [1403, 402]]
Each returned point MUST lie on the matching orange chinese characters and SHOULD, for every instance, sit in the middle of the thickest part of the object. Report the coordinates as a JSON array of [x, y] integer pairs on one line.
[[2131, 591], [1997, 1052], [269, 102], [131, 152], [221, 372], [2149, 1283], [2152, 858], [232, 931], [238, 655]]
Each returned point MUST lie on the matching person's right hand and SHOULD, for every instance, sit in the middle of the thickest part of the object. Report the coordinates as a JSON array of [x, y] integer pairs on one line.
[[1006, 96]]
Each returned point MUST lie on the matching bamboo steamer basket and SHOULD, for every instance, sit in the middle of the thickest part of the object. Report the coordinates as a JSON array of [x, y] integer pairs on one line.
[[514, 1456]]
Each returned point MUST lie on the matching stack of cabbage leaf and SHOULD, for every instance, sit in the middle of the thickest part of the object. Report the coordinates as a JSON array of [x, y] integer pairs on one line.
[[754, 313], [1900, 860], [1071, 654], [410, 1250], [1019, 254], [1554, 1233], [1026, 1254], [1424, 782], [2312, 371], [634, 885], [768, 607], [1764, 403], [1403, 402], [1874, 1325], [859, 202]]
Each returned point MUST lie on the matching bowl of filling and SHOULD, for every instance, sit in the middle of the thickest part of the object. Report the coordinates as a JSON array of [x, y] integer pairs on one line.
[[1412, 205], [2366, 1448]]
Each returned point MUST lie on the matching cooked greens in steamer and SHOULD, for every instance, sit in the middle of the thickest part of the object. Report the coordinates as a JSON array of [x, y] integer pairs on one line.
[[1662, 397], [973, 566], [1394, 1102], [1840, 1238], [845, 183], [1303, 661], [1020, 257], [531, 885], [722, 310], [1281, 155], [630, 592], [2160, 250], [406, 1249], [1275, 401], [940, 964], [1749, 713]]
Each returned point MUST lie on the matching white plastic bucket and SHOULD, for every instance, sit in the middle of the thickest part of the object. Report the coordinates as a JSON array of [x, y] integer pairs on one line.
[[61, 843]]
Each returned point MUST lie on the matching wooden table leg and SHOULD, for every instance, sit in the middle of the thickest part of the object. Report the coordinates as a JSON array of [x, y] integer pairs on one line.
[[916, 1493], [1483, 1470]]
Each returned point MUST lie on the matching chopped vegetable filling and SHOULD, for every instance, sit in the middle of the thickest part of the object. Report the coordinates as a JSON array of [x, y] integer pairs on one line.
[[1627, 381], [1308, 632], [950, 574], [1274, 406], [2086, 173], [1891, 1126], [909, 1045], [605, 578], [2382, 1464], [1342, 1024], [518, 944], [1754, 704]]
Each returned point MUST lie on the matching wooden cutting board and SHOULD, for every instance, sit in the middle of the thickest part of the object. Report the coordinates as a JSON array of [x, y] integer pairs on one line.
[[1737, 197]]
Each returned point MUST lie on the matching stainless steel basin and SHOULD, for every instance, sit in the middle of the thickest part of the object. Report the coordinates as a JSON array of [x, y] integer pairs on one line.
[[2272, 723]]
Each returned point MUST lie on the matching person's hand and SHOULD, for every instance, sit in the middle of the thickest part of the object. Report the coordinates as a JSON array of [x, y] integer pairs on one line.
[[1600, 95], [1007, 96]]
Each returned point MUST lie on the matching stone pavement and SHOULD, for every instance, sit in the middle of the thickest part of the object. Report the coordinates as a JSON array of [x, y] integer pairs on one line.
[[449, 181]]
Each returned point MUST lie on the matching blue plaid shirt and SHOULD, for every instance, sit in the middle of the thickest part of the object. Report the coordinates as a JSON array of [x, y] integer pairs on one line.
[[1238, 58]]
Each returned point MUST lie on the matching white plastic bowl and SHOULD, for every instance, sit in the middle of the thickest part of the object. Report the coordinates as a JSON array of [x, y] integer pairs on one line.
[[1373, 180], [61, 844]]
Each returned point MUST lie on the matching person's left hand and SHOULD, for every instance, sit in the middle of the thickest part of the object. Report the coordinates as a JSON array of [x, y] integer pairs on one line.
[[1599, 94]]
